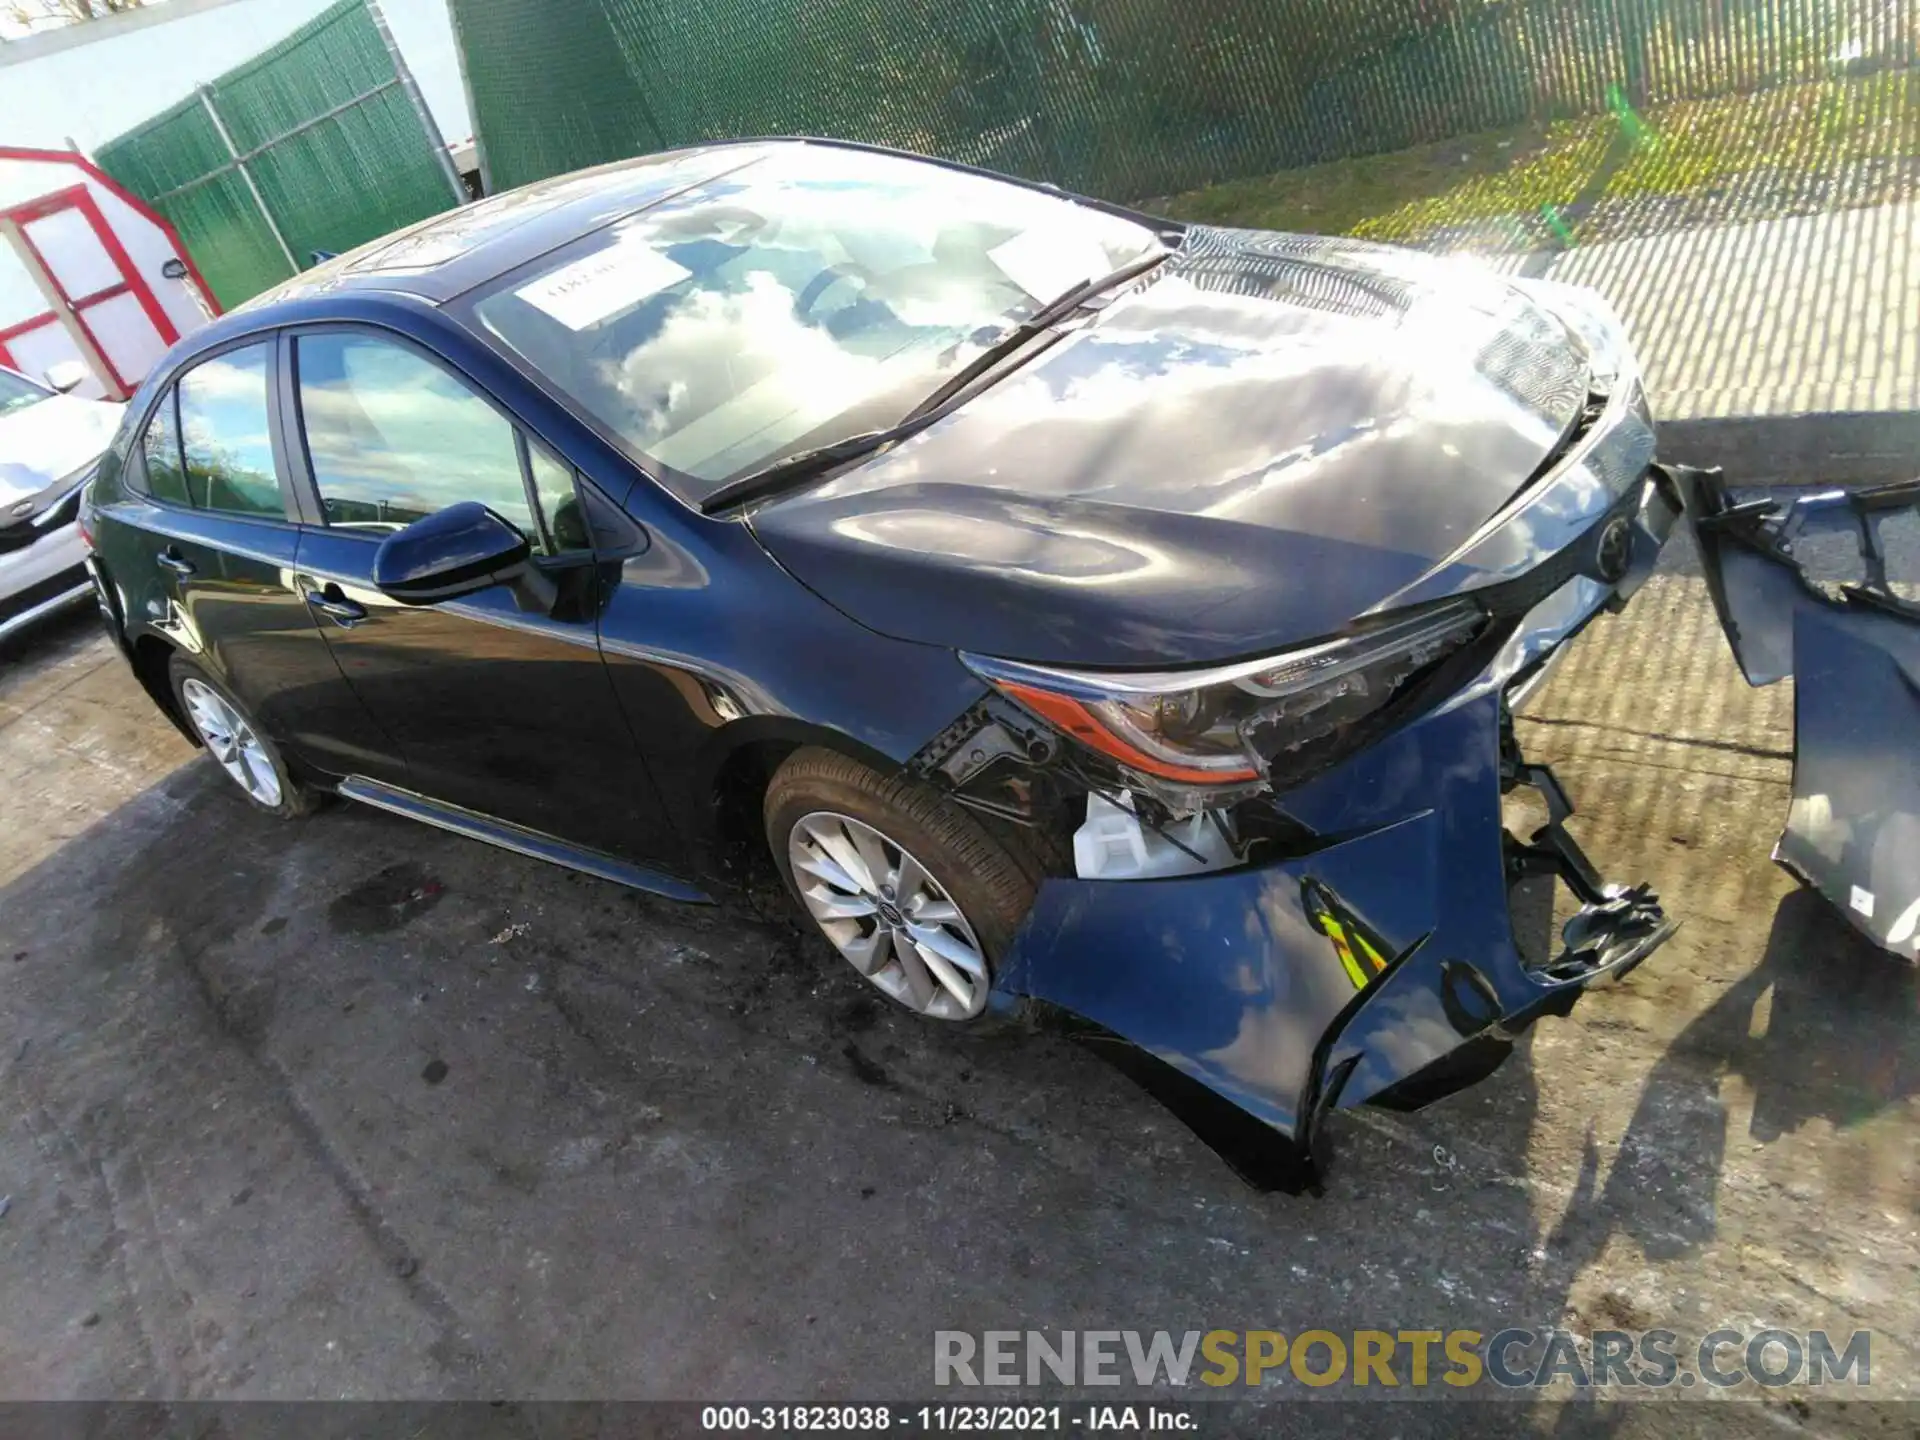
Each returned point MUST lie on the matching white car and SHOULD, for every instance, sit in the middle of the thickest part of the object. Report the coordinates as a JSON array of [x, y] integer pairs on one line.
[[49, 444]]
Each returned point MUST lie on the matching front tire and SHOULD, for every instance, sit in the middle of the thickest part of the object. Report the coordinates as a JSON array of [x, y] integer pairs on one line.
[[911, 890], [236, 741]]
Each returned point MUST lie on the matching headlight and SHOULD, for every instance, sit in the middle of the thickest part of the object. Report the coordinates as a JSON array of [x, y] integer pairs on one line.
[[52, 507], [1244, 722], [1609, 352]]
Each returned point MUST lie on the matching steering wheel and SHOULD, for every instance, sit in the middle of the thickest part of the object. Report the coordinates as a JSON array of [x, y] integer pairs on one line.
[[807, 299]]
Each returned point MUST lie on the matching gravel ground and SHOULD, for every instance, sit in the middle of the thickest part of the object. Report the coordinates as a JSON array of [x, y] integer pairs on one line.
[[354, 1108]]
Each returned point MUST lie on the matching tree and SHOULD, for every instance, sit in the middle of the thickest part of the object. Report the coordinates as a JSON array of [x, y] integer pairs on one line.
[[33, 15]]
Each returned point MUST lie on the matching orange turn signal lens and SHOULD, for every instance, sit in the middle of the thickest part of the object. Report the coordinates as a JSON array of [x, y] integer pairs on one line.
[[1074, 719]]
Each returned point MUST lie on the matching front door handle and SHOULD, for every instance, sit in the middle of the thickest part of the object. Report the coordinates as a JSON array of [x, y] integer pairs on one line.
[[336, 607], [172, 559]]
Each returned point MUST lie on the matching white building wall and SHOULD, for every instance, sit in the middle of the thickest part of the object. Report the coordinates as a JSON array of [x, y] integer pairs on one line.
[[120, 325], [146, 244], [95, 81]]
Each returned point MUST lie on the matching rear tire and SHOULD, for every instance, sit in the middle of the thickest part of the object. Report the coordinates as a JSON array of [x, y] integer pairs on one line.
[[237, 743], [911, 889]]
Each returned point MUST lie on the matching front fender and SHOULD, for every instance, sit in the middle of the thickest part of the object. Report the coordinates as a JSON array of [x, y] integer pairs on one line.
[[1380, 966]]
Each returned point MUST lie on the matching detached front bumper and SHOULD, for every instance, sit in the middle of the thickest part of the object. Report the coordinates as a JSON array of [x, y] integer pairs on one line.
[[1378, 962], [1807, 584]]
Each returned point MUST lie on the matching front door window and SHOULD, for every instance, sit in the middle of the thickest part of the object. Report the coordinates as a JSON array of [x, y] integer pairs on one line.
[[393, 437]]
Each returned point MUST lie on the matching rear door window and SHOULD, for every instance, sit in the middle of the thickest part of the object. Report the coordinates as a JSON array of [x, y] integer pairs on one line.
[[226, 434]]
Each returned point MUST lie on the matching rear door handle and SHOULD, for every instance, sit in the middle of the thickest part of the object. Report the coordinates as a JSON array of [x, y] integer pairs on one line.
[[172, 559], [336, 607]]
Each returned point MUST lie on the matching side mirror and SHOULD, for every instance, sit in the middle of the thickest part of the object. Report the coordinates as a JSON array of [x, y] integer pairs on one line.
[[457, 551], [68, 375], [174, 269]]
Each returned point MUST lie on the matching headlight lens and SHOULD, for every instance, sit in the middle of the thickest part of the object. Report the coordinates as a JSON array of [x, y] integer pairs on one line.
[[1243, 722], [1609, 352]]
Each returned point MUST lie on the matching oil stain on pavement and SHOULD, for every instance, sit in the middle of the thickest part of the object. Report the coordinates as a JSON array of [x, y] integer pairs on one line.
[[385, 901]]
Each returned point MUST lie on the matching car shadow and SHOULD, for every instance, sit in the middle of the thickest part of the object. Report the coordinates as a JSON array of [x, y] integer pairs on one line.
[[280, 995], [1840, 1043], [1820, 1030]]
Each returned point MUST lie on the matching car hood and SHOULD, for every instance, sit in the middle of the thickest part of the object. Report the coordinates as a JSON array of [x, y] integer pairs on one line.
[[1268, 436], [48, 441]]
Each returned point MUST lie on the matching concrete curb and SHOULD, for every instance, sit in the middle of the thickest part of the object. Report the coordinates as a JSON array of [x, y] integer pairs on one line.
[[1857, 448]]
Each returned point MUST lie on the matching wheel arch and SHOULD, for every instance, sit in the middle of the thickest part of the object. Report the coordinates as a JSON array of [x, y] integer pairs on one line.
[[150, 655], [739, 762], [147, 647]]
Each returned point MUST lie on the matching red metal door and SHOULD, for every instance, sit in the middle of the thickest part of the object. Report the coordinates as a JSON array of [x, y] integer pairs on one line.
[[82, 266]]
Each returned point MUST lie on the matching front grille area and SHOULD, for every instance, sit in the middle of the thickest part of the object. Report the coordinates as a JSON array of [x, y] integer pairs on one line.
[[1621, 457], [1617, 457], [1582, 426]]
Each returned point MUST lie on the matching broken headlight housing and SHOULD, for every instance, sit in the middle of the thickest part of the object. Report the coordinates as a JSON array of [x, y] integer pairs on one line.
[[1593, 322], [1244, 723]]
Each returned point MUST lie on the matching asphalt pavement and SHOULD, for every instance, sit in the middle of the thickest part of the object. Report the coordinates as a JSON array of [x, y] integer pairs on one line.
[[351, 1107]]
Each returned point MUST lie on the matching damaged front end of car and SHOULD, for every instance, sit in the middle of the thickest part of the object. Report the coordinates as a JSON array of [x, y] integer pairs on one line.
[[1307, 903], [1805, 584]]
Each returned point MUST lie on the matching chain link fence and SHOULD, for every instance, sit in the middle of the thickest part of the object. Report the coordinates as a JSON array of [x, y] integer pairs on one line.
[[317, 144], [1126, 98]]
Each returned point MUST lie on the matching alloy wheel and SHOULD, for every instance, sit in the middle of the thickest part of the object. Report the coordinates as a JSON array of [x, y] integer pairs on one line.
[[892, 920], [231, 740]]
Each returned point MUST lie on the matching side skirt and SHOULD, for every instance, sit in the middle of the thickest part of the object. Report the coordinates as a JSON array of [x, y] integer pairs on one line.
[[519, 839]]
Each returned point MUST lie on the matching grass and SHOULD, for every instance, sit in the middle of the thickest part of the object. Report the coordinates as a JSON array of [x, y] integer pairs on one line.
[[1591, 167]]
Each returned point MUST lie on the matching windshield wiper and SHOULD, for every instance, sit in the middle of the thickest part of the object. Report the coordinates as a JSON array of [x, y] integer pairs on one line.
[[1055, 310], [798, 468]]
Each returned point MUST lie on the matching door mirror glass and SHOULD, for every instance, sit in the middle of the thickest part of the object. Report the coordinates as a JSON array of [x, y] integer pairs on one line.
[[457, 551], [67, 376]]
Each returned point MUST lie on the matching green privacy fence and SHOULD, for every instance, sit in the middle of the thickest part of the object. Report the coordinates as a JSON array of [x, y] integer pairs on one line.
[[317, 144], [1125, 98]]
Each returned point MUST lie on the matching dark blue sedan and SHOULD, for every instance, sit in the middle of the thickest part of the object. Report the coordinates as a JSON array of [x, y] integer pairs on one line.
[[1087, 614]]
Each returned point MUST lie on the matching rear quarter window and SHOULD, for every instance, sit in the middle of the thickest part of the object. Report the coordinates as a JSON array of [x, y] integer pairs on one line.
[[166, 475]]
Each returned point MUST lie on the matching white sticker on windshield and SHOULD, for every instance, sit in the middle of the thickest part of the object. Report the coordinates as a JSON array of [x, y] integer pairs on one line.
[[603, 284], [1046, 263]]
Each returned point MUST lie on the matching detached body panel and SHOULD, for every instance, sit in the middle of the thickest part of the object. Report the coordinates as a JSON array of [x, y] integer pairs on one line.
[[1853, 831], [1802, 587]]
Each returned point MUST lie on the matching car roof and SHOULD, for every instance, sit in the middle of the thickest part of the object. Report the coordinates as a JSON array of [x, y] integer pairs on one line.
[[451, 253]]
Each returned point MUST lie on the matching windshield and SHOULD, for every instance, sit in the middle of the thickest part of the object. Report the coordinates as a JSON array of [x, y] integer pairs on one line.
[[17, 392], [805, 297]]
